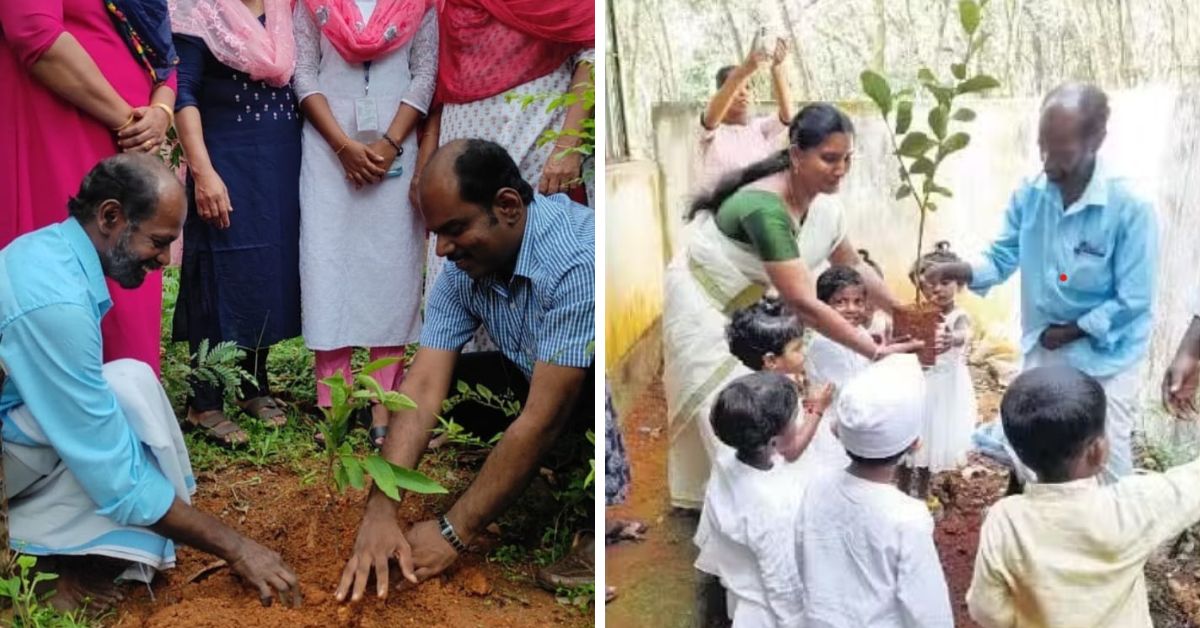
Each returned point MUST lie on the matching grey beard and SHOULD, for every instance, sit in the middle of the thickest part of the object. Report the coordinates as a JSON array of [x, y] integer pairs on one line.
[[120, 265]]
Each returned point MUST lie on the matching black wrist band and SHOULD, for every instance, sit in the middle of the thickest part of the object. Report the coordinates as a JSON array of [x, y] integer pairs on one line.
[[395, 145], [450, 535]]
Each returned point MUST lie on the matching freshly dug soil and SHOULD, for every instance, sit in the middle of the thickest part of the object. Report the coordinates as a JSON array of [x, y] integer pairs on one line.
[[918, 321], [315, 536]]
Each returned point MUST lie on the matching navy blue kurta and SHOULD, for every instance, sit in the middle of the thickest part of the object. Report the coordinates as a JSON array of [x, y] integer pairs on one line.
[[241, 283]]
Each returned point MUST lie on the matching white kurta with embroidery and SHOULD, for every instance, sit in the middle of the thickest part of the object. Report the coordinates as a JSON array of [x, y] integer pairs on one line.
[[361, 251]]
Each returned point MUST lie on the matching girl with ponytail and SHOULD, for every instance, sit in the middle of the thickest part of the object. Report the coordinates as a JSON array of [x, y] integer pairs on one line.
[[760, 228]]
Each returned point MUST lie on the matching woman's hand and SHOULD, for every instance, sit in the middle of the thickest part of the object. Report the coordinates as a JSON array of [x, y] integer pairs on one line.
[[901, 345], [212, 199], [363, 166], [562, 172], [147, 131], [414, 191], [780, 54]]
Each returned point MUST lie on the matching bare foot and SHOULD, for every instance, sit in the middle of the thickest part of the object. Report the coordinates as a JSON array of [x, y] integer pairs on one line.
[[83, 583], [618, 530]]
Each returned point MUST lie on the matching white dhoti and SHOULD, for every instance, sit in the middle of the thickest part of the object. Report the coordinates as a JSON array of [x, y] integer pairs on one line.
[[49, 512]]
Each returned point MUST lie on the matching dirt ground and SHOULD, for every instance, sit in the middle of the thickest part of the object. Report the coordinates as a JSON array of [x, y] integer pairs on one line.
[[655, 577], [315, 535]]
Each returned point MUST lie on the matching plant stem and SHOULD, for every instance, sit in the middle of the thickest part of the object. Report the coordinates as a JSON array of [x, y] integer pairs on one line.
[[913, 190]]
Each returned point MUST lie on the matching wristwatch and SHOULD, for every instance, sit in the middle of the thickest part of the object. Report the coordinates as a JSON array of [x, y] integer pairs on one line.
[[450, 535]]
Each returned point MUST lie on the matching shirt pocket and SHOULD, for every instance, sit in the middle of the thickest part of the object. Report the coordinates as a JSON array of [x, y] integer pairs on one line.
[[1089, 269]]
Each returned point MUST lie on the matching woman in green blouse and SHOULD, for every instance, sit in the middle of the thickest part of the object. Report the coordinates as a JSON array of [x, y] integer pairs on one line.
[[762, 227]]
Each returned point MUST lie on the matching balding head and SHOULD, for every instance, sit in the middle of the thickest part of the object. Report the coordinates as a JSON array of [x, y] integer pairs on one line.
[[474, 199], [1072, 128], [133, 208]]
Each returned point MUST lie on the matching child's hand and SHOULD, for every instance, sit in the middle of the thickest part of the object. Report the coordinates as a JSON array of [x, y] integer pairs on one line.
[[943, 342], [819, 401]]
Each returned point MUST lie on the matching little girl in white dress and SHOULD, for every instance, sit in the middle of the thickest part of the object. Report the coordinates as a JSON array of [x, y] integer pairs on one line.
[[950, 406]]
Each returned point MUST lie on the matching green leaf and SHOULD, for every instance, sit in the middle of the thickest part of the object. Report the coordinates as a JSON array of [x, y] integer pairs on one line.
[[943, 95], [916, 144], [903, 191], [903, 116], [340, 477], [878, 90], [381, 471], [959, 70], [379, 364], [354, 472], [937, 189], [955, 143], [415, 481], [463, 387], [978, 83], [930, 207], [484, 392], [925, 75], [968, 15], [396, 402], [964, 115], [938, 119], [369, 383], [922, 166]]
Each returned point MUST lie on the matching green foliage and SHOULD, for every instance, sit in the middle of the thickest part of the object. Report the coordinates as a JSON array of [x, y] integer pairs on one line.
[[457, 435], [580, 597], [219, 367], [920, 153], [347, 468], [586, 134], [30, 610]]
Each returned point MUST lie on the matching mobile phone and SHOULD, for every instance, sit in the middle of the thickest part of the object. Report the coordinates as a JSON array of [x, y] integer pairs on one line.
[[759, 44]]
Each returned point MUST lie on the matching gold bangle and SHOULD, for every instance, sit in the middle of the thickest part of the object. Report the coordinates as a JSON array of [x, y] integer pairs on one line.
[[170, 114], [342, 148], [128, 122]]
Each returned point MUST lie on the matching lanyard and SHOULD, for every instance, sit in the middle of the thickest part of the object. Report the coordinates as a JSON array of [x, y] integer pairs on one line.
[[366, 78]]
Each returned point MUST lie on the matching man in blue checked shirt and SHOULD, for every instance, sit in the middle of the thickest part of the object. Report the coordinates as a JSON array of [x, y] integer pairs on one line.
[[96, 468], [524, 269], [1087, 249]]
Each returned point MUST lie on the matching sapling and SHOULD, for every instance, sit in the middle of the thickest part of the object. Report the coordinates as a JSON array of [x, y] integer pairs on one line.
[[347, 468], [920, 154]]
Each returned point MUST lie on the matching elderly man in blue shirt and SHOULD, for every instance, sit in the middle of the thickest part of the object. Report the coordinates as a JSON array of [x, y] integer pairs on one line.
[[524, 269], [1087, 247], [97, 474]]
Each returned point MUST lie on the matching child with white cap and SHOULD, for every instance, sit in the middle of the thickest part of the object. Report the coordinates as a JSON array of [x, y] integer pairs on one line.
[[864, 550]]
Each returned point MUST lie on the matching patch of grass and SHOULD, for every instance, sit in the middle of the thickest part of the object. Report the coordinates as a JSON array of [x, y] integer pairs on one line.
[[508, 555], [580, 597], [30, 610]]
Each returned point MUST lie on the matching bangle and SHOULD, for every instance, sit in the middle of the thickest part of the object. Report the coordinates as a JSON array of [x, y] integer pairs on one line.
[[341, 148], [128, 122], [170, 114], [395, 145], [450, 535], [875, 356]]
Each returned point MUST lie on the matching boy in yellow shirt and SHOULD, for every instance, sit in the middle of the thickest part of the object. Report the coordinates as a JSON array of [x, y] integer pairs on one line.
[[1070, 551]]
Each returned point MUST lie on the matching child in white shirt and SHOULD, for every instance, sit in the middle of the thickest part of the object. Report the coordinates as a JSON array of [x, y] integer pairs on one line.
[[841, 288]]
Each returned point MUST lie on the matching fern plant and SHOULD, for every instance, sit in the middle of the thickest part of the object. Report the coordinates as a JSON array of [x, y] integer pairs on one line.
[[219, 367], [345, 466], [920, 153]]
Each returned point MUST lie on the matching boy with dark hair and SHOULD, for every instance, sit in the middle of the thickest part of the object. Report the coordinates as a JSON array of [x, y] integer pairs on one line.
[[1070, 551]]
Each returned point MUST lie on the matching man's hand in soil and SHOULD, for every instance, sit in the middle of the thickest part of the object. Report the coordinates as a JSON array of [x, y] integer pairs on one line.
[[431, 553], [259, 566], [380, 539], [265, 570], [1057, 336], [1181, 379]]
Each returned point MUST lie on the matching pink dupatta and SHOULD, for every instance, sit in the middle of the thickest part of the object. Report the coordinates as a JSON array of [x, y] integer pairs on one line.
[[392, 24], [236, 37]]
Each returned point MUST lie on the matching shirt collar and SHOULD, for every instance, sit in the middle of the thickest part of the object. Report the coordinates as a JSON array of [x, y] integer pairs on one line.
[[533, 223], [81, 245], [1094, 195], [1039, 490]]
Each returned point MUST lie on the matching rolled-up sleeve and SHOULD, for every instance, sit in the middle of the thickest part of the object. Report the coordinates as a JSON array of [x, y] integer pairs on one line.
[[448, 324], [53, 355], [1002, 258], [1134, 262], [571, 322], [31, 27], [190, 72]]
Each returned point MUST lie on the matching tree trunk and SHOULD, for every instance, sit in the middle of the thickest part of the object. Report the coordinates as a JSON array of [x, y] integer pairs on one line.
[[797, 52], [739, 44]]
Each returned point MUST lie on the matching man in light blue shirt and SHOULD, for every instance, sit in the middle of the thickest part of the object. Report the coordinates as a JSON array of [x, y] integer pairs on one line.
[[96, 467], [524, 269], [1087, 248]]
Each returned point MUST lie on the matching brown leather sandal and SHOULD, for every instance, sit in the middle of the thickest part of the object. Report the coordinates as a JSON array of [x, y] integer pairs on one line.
[[218, 427], [267, 409]]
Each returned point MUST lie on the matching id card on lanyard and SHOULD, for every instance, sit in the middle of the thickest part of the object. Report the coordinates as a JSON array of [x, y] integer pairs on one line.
[[366, 114]]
